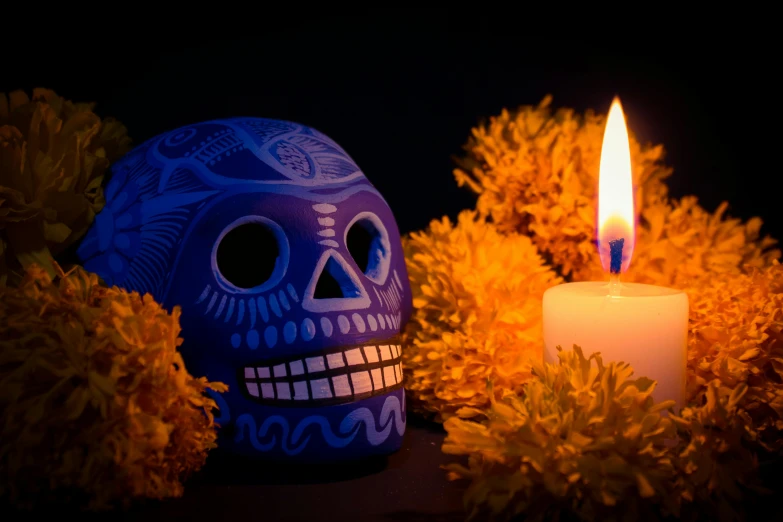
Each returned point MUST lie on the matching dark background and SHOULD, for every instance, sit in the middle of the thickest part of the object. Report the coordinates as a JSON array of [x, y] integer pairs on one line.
[[400, 92]]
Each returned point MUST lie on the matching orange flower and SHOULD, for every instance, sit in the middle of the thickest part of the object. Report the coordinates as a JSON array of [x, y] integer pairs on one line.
[[96, 399], [536, 172], [585, 441], [477, 314], [736, 340], [53, 156], [583, 438]]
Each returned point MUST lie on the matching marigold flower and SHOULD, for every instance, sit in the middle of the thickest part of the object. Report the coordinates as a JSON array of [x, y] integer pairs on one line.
[[585, 441], [582, 439], [716, 473], [53, 156], [97, 404], [477, 314], [736, 340], [536, 172]]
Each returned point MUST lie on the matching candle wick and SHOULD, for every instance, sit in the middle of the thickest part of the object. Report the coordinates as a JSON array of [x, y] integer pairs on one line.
[[614, 284], [616, 255]]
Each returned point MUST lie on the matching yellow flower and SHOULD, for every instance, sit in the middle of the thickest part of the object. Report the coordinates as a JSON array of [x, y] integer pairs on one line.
[[736, 340], [53, 156], [582, 439], [536, 173], [585, 441], [477, 314], [716, 475], [97, 404]]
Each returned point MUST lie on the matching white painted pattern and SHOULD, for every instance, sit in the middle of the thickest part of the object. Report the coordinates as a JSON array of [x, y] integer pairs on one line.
[[251, 304], [354, 356], [292, 292], [211, 302], [371, 353], [335, 360], [361, 382], [204, 294], [300, 391], [278, 382], [378, 296], [397, 279], [341, 386], [221, 306], [359, 302], [230, 312], [241, 312], [324, 208]]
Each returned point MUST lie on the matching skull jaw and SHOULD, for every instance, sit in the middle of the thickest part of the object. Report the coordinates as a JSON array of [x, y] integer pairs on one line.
[[355, 430], [338, 375]]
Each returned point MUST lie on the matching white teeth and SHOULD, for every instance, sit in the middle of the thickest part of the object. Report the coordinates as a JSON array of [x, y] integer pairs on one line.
[[315, 364], [341, 386], [300, 391], [321, 389], [297, 368], [354, 356], [279, 384], [371, 353], [388, 375], [283, 391], [335, 360], [361, 382], [377, 379]]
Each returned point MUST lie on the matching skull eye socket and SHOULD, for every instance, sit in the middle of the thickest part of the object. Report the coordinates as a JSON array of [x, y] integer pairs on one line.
[[368, 243], [251, 254]]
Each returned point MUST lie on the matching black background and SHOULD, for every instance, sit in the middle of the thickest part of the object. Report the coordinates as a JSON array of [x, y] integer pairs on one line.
[[401, 91]]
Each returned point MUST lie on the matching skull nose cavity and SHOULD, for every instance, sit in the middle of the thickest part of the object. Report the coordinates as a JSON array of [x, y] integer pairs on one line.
[[334, 286], [334, 282]]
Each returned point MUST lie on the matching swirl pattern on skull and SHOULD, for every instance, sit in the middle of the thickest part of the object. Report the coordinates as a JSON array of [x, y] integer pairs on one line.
[[288, 267]]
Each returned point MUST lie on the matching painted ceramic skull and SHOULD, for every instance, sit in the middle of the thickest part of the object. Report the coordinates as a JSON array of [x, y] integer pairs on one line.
[[288, 267]]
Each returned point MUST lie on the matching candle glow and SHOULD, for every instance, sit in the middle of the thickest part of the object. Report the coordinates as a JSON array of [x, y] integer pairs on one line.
[[615, 194], [643, 325]]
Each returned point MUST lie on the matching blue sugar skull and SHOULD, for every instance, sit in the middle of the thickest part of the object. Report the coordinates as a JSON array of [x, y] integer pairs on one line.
[[288, 267]]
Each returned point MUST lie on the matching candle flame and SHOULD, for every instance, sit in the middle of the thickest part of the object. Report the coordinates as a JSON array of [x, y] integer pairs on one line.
[[616, 231]]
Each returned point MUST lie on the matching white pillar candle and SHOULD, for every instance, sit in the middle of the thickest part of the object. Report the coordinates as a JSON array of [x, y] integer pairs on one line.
[[643, 325]]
